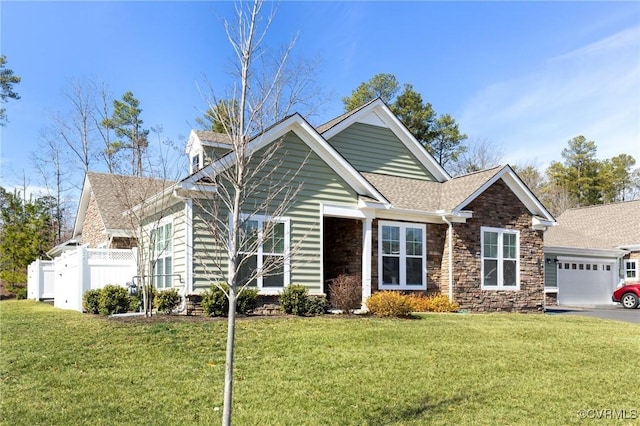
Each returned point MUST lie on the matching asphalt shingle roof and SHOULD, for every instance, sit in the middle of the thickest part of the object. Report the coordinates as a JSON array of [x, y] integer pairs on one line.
[[606, 226], [414, 194], [208, 136], [115, 194]]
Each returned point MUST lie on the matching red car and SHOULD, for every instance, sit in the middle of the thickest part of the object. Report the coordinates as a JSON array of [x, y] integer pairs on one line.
[[628, 295]]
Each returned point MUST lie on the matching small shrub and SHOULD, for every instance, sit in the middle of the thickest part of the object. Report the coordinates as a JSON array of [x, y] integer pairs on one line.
[[19, 290], [167, 300], [389, 304], [215, 302], [114, 299], [21, 293], [135, 304], [91, 301], [346, 292], [433, 303], [317, 305], [294, 299], [247, 300]]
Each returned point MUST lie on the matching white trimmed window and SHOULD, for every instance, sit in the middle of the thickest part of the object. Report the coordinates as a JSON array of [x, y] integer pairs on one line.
[[195, 163], [264, 252], [500, 259], [402, 256], [630, 269], [162, 256]]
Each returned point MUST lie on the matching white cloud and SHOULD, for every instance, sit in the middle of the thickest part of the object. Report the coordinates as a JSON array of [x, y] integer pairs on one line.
[[592, 91]]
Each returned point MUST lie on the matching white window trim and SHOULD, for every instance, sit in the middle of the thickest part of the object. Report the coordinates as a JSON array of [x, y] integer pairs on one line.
[[500, 258], [287, 252], [635, 268], [200, 161], [152, 254], [402, 285]]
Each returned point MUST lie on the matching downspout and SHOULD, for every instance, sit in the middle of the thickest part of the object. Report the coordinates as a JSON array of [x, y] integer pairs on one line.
[[450, 257]]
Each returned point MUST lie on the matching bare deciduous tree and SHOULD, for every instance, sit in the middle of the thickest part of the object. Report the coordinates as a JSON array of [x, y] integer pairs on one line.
[[51, 162], [76, 127], [242, 195], [479, 155]]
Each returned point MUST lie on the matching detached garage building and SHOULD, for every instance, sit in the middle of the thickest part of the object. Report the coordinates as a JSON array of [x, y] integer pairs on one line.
[[590, 252]]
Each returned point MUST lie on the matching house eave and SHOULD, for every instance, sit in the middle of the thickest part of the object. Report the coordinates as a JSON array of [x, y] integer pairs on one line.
[[160, 199], [578, 251], [542, 224], [395, 213], [194, 190], [630, 247], [118, 233]]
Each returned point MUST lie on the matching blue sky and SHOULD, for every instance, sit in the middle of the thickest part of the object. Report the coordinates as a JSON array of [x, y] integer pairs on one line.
[[524, 76]]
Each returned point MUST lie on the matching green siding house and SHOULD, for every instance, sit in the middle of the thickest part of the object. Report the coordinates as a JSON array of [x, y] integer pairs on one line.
[[369, 201]]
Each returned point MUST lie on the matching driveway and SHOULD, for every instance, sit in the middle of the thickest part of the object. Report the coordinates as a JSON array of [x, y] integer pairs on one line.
[[610, 312]]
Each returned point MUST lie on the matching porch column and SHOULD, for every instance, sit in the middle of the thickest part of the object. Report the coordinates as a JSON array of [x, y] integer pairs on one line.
[[366, 260]]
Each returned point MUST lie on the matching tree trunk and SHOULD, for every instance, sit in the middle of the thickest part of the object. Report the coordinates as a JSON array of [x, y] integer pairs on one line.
[[228, 369]]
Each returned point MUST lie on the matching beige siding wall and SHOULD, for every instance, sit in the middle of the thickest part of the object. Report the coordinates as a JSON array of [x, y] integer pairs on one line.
[[377, 150], [319, 183]]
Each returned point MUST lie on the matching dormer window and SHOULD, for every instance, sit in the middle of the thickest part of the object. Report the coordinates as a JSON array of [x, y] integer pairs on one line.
[[195, 163]]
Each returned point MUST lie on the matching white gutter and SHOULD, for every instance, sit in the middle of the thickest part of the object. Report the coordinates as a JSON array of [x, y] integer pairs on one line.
[[444, 218], [577, 251]]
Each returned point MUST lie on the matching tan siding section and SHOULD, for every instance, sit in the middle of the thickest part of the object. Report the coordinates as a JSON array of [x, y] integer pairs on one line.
[[319, 184], [377, 150]]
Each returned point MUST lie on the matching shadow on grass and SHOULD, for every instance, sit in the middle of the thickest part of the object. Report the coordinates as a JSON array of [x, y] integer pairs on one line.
[[418, 410]]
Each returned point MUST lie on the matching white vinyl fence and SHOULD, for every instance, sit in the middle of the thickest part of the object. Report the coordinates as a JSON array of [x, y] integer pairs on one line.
[[40, 280], [77, 271]]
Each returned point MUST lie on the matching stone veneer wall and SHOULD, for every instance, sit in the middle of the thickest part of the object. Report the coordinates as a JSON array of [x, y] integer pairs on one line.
[[551, 299], [498, 207], [93, 226]]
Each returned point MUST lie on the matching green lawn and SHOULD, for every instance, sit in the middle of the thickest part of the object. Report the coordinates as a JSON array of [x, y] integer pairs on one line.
[[63, 368]]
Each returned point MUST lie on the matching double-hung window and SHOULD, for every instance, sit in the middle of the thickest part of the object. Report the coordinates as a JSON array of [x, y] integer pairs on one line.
[[631, 269], [264, 252], [402, 256], [162, 256], [500, 259]]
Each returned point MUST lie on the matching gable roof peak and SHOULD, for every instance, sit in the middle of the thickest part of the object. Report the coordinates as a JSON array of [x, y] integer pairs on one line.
[[334, 121]]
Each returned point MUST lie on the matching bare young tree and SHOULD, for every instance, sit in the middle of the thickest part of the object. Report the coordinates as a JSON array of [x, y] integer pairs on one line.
[[51, 162], [479, 155], [76, 127], [248, 182]]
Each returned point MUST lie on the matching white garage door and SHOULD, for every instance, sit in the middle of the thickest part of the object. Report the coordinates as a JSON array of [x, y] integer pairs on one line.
[[585, 281]]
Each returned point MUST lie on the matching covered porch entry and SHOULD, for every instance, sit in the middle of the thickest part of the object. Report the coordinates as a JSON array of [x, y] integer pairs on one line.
[[346, 243]]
